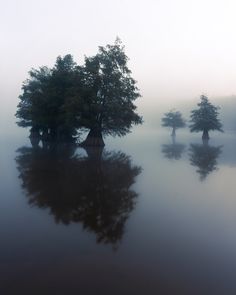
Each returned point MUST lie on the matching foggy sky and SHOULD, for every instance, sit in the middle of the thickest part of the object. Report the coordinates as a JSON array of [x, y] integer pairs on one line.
[[178, 49]]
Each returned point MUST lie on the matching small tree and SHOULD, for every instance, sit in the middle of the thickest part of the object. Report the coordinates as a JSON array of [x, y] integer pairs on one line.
[[174, 120], [205, 118]]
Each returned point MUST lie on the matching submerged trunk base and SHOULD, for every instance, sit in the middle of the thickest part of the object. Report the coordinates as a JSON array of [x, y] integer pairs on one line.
[[173, 132], [94, 138], [205, 135]]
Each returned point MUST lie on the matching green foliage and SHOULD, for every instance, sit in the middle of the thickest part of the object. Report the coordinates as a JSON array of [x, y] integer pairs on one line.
[[48, 102], [205, 118], [32, 101], [97, 96], [109, 92], [173, 119]]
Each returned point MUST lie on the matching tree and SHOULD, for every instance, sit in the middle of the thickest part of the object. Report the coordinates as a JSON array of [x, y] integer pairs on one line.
[[174, 120], [205, 118], [109, 92], [97, 96], [49, 101], [80, 189]]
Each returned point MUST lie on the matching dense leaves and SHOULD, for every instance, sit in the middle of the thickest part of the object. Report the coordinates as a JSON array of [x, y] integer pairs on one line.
[[47, 104], [97, 96]]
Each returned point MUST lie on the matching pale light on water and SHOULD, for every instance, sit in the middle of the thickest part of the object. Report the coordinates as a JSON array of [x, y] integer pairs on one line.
[[164, 219]]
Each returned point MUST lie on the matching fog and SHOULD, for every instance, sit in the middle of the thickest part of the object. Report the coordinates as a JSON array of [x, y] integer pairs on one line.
[[177, 49], [150, 213]]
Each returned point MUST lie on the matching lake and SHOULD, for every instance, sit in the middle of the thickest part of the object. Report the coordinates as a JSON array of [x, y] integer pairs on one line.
[[146, 215]]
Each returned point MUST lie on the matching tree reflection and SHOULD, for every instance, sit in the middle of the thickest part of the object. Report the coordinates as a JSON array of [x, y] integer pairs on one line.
[[173, 151], [94, 189], [204, 157]]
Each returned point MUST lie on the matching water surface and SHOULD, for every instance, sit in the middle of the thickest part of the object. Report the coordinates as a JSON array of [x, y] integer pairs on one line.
[[146, 215]]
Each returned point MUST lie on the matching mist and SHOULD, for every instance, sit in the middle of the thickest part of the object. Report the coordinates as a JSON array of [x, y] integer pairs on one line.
[[177, 49]]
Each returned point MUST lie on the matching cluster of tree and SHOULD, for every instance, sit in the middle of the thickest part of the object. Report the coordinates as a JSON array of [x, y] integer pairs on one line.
[[80, 189], [97, 96], [204, 118]]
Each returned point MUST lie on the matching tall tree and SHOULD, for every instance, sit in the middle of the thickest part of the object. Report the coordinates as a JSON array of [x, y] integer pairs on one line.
[[205, 118], [97, 96], [109, 92], [174, 120]]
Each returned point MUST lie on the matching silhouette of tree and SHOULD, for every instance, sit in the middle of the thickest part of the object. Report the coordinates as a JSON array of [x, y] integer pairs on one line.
[[174, 150], [94, 190], [49, 103], [97, 96], [174, 120], [205, 158], [205, 118], [107, 108]]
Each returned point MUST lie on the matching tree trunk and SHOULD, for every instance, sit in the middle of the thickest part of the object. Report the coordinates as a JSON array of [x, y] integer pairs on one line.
[[173, 132], [34, 141], [34, 133], [94, 153], [45, 135], [205, 135], [94, 138]]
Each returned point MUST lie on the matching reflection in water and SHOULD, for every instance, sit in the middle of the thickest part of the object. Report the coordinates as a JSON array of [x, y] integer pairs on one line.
[[204, 157], [93, 189], [174, 150]]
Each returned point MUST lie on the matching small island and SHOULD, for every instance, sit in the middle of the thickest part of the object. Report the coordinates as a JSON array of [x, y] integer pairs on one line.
[[97, 96]]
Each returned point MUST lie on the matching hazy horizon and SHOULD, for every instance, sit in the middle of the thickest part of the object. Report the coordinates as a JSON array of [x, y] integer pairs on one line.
[[177, 49], [148, 213]]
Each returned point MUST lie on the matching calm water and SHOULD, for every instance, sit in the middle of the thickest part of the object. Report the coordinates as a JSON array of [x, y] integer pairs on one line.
[[144, 216]]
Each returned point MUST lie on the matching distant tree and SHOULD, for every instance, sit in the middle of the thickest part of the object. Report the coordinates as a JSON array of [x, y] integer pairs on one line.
[[174, 120], [204, 157], [107, 107], [205, 118]]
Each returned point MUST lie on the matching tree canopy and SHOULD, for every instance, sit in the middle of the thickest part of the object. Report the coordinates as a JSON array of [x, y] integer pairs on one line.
[[48, 99], [205, 118], [97, 96], [174, 120]]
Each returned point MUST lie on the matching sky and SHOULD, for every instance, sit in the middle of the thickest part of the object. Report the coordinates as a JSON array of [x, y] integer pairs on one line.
[[178, 49]]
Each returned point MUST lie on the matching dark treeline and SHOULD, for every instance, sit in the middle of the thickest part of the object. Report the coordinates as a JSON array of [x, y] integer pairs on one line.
[[96, 96]]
